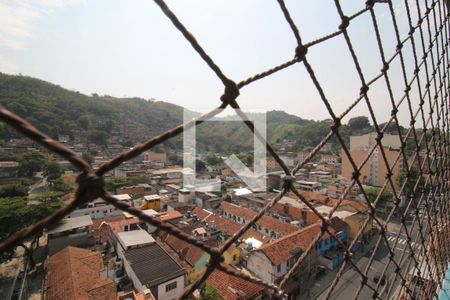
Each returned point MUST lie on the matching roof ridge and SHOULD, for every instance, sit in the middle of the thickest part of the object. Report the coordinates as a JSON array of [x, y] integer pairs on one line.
[[264, 246]]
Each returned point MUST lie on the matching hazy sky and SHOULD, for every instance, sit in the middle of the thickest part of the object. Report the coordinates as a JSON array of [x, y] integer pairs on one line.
[[129, 48]]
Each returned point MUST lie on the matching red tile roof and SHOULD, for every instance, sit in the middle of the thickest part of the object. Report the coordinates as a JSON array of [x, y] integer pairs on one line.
[[282, 249], [169, 215], [74, 273], [117, 226], [287, 210], [227, 226], [185, 250], [232, 287], [265, 221], [356, 205], [99, 228]]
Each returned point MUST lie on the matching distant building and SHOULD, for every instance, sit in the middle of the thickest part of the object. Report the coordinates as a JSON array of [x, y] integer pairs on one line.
[[9, 169], [266, 225], [374, 171], [155, 156], [74, 273], [151, 202], [99, 208], [271, 163], [135, 191]]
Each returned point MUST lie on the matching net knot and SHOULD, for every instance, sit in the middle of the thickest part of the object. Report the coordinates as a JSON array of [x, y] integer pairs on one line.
[[90, 186], [345, 23], [288, 180], [336, 124], [370, 3], [399, 47], [300, 52], [364, 89], [231, 92], [356, 174], [385, 67]]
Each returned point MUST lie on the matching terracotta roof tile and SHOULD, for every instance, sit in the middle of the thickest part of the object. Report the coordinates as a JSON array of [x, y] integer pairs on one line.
[[232, 287], [170, 215], [265, 221], [186, 251], [282, 249], [74, 273]]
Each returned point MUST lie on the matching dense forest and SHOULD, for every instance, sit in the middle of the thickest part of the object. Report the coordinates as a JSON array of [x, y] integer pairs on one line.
[[57, 111]]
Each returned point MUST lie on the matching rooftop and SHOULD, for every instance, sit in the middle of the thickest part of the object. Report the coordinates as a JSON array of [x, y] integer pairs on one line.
[[9, 164], [122, 197], [72, 223], [232, 287], [152, 265], [73, 273], [170, 215], [135, 237], [152, 197]]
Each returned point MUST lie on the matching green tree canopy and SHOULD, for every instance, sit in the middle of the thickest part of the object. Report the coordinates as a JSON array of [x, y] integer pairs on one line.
[[52, 170], [213, 160], [31, 162], [88, 157], [208, 292], [359, 123], [372, 194], [13, 190]]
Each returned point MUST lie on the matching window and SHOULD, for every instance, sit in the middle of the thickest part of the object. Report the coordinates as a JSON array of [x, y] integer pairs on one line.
[[171, 286], [278, 268], [234, 257]]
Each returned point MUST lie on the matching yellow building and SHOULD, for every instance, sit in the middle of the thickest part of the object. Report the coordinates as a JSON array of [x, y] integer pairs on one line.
[[271, 163], [232, 256], [226, 171], [355, 223], [151, 202]]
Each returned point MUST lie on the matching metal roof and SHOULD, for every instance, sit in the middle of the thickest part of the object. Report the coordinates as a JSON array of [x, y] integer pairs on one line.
[[152, 265], [72, 223]]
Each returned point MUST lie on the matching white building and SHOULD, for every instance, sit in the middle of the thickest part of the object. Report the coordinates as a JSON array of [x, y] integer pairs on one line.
[[99, 208], [149, 267]]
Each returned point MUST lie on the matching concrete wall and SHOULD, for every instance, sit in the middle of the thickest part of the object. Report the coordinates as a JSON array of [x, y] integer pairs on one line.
[[97, 212], [77, 239], [260, 265], [172, 294]]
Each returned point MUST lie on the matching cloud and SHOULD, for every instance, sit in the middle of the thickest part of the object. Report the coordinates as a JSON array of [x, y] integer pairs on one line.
[[19, 18]]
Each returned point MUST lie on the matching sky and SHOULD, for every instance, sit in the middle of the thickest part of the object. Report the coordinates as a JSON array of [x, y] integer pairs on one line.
[[130, 48]]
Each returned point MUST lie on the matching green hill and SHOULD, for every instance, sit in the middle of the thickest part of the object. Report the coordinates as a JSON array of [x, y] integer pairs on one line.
[[58, 111]]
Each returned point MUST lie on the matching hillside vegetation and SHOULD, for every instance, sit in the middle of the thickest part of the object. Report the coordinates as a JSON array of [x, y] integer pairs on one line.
[[56, 111]]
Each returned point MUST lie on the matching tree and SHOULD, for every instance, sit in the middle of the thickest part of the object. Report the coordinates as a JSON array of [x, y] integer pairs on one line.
[[59, 185], [213, 160], [87, 157], [98, 137], [359, 123], [31, 162], [372, 194], [52, 170], [413, 177], [13, 190], [199, 165], [175, 159], [208, 292]]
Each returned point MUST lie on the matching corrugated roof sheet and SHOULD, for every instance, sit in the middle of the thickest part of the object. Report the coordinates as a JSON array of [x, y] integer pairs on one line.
[[152, 265]]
